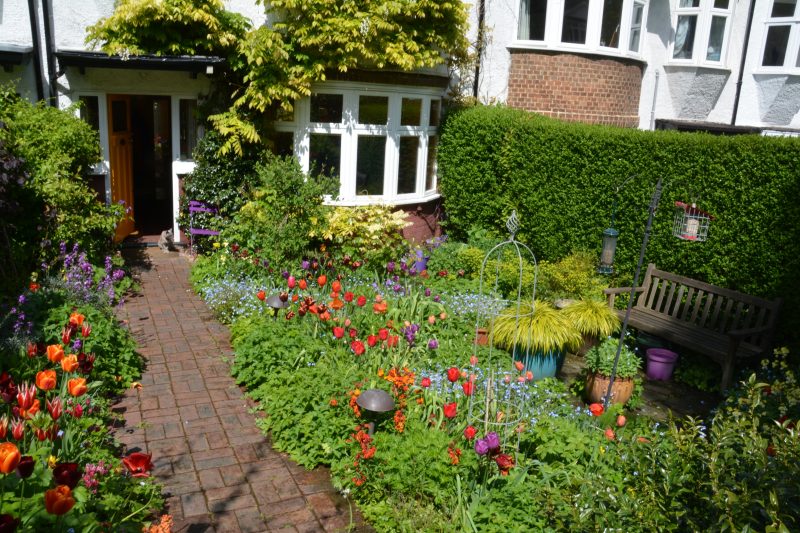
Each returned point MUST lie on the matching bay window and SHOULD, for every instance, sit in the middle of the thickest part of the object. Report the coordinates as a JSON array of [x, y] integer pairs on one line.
[[380, 142], [611, 27]]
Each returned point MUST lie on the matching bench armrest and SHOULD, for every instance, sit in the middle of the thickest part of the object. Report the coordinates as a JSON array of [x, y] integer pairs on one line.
[[742, 333], [613, 291]]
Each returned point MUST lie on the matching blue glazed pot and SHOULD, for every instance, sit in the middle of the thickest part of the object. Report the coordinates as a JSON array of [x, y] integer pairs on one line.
[[542, 364]]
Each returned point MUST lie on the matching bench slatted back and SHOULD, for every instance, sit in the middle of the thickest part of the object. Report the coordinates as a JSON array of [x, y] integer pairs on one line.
[[705, 306]]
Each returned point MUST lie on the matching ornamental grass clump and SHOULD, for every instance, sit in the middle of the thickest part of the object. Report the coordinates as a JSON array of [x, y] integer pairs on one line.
[[592, 318], [534, 327]]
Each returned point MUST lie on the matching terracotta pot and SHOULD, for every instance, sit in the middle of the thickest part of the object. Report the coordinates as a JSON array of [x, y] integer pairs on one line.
[[597, 386], [482, 336]]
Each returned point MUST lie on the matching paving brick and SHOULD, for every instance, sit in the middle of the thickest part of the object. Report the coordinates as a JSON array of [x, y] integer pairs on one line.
[[291, 519], [193, 504], [210, 478]]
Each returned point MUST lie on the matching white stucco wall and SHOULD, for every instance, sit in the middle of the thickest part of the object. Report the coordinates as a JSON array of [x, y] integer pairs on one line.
[[501, 31], [15, 26]]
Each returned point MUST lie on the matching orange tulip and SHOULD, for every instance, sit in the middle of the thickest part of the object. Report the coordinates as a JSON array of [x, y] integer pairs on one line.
[[70, 363], [9, 457], [380, 308], [77, 386], [59, 500], [76, 319], [322, 280], [30, 411], [55, 353], [336, 286], [336, 304], [46, 379]]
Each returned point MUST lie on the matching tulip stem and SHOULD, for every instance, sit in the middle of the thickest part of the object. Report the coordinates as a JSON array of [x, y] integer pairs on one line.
[[139, 510]]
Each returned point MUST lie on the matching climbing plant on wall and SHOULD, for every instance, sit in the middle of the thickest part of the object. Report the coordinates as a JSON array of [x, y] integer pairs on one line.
[[276, 64]]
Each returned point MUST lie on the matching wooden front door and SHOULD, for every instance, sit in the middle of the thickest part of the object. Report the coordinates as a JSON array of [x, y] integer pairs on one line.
[[121, 159]]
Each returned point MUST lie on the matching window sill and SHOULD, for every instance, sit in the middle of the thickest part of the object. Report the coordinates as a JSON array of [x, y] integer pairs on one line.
[[372, 200], [575, 49], [776, 71], [675, 65]]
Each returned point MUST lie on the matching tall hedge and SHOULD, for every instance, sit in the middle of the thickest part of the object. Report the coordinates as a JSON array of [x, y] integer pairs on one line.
[[561, 178]]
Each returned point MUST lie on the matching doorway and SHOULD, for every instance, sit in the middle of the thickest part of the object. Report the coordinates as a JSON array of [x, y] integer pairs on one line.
[[141, 161]]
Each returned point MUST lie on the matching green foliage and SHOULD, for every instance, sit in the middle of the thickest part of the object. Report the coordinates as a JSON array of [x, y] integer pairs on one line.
[[600, 359], [593, 318], [563, 177], [174, 27], [538, 327], [57, 148], [280, 211], [368, 233], [574, 276]]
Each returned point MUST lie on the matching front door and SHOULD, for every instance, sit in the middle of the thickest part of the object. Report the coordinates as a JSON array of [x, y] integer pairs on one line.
[[121, 159]]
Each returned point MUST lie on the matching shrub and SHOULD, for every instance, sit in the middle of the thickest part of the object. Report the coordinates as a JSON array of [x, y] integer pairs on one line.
[[280, 211], [560, 178]]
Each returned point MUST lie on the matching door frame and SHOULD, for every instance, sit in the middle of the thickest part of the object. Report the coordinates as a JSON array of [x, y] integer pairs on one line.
[[121, 172]]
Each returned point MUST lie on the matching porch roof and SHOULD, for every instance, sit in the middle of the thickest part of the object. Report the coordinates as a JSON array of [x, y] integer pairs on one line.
[[12, 54], [83, 59]]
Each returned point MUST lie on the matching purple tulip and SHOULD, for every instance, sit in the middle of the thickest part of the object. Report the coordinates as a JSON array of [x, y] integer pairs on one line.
[[285, 274], [481, 447], [305, 264], [493, 442], [427, 291], [437, 298], [433, 344], [390, 266]]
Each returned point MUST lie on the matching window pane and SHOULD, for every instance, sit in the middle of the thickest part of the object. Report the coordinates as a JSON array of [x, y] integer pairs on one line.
[[90, 111], [284, 115], [715, 37], [325, 154], [430, 167], [188, 127], [576, 13], [407, 170], [373, 109], [282, 143], [783, 8], [636, 27], [689, 3], [775, 47], [410, 115], [532, 16], [326, 108], [612, 16], [721, 4], [369, 165], [435, 115], [684, 37]]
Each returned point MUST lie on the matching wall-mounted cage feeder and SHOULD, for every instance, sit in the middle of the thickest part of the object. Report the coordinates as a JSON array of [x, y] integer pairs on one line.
[[691, 223]]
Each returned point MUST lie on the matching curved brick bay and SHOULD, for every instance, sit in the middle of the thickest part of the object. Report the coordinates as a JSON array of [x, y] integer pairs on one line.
[[218, 471]]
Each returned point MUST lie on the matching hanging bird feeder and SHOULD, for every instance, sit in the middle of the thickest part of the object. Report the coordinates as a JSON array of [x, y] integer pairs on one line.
[[691, 223]]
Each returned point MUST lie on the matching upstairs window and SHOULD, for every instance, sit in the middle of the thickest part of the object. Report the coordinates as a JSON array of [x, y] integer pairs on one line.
[[606, 26], [782, 36], [701, 30]]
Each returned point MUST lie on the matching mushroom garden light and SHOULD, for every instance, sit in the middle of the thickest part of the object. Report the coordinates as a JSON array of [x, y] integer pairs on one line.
[[690, 224], [375, 402]]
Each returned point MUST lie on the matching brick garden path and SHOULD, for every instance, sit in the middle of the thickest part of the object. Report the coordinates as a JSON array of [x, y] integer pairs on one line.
[[218, 471]]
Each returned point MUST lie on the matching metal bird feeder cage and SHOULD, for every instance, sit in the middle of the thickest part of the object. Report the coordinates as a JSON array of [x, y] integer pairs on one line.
[[691, 223], [610, 236]]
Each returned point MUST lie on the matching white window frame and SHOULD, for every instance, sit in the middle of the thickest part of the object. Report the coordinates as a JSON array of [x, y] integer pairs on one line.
[[350, 130], [554, 21], [792, 57], [705, 14]]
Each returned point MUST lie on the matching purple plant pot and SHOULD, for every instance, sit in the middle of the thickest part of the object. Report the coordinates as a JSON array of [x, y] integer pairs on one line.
[[660, 363]]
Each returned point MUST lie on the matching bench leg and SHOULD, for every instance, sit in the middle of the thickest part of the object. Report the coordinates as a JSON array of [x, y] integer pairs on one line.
[[728, 365]]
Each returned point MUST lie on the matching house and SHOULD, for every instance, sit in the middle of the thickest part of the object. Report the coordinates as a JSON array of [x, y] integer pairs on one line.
[[686, 64]]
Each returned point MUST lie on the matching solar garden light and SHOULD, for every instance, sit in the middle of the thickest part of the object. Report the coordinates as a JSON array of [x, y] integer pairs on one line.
[[277, 302], [375, 402]]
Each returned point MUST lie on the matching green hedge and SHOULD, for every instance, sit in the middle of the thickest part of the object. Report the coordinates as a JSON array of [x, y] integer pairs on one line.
[[561, 179]]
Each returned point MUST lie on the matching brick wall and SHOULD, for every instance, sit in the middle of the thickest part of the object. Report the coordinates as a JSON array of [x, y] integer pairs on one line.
[[581, 88]]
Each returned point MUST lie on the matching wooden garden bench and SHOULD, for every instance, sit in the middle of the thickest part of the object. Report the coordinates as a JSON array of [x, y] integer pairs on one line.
[[718, 322]]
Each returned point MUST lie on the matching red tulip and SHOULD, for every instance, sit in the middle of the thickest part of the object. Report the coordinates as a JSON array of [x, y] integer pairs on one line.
[[392, 341], [25, 468], [352, 333], [383, 334], [470, 432], [450, 410], [338, 332], [291, 282], [453, 374], [348, 296], [357, 347], [261, 295], [621, 421], [425, 383], [596, 409], [336, 286], [609, 433], [67, 474], [66, 335], [505, 463], [54, 407], [372, 340], [469, 388], [32, 349], [26, 396], [361, 301], [86, 330], [17, 429], [473, 360], [3, 426], [138, 464]]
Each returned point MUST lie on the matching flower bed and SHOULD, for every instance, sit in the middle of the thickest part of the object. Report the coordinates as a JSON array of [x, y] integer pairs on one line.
[[470, 441], [64, 357]]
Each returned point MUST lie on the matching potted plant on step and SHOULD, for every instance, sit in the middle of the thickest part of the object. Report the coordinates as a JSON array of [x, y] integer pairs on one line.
[[600, 363], [594, 319], [537, 334]]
